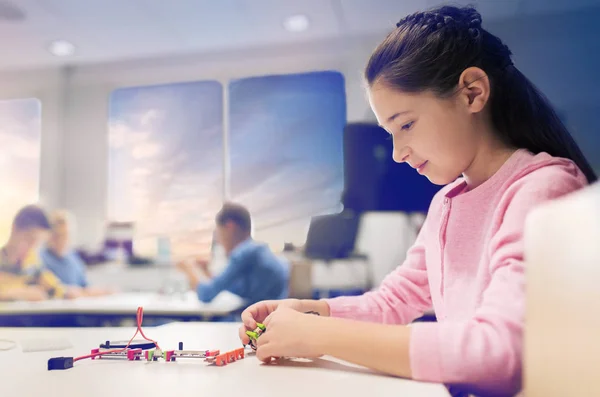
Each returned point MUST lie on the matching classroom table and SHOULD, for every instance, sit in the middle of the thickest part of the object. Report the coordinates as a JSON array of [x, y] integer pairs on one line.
[[127, 278], [26, 374], [99, 310]]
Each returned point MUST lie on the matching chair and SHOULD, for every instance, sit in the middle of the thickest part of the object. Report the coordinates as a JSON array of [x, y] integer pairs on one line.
[[332, 236], [384, 238], [381, 242]]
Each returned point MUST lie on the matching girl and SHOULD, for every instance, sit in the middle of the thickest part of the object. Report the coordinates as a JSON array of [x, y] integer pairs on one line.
[[455, 105]]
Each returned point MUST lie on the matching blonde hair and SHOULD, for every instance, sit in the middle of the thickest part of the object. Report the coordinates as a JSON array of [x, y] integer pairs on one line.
[[62, 218]]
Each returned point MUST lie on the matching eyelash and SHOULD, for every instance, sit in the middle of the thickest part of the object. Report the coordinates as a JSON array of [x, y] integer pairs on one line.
[[405, 127]]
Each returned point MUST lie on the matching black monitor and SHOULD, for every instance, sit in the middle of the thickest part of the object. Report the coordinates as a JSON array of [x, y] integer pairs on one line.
[[332, 236], [373, 181]]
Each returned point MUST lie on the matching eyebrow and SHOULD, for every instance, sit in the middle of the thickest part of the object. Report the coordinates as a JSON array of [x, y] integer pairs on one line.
[[393, 117]]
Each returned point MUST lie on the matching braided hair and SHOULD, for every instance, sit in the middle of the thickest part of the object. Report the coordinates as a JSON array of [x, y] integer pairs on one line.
[[428, 51]]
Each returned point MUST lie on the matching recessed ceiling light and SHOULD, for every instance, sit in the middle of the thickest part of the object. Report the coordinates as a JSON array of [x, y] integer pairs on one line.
[[61, 48], [296, 23]]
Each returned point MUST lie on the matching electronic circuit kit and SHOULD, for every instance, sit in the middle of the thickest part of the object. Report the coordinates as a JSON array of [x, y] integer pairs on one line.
[[147, 349]]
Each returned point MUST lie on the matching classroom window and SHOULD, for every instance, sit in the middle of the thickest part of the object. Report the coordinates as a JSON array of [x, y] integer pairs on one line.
[[165, 164], [285, 149], [20, 137]]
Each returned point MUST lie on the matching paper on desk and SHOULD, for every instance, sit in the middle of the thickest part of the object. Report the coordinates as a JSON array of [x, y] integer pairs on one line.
[[44, 344]]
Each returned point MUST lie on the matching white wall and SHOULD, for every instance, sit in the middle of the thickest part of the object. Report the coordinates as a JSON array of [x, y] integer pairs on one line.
[[559, 53]]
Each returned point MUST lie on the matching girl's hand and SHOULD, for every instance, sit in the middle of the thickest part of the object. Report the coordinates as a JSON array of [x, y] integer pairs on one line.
[[258, 312], [290, 333]]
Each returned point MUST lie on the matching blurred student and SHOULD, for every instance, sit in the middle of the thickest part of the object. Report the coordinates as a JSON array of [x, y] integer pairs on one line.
[[252, 272], [22, 276], [61, 259]]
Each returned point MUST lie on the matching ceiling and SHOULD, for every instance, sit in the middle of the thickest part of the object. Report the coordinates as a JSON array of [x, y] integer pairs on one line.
[[112, 30]]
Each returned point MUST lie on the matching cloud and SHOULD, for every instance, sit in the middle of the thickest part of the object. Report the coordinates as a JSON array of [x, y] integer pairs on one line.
[[121, 135], [282, 202], [19, 132], [149, 117], [18, 146], [145, 151], [140, 171], [126, 135], [188, 222]]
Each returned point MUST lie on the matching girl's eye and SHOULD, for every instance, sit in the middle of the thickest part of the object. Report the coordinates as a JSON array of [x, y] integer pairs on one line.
[[407, 126]]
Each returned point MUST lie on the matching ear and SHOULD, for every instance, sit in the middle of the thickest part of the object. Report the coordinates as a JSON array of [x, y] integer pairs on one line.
[[474, 88]]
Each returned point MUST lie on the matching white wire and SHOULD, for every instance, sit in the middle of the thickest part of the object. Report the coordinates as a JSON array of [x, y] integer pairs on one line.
[[11, 344]]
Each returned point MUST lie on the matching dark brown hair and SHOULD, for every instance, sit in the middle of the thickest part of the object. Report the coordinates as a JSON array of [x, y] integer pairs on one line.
[[236, 213], [30, 217], [430, 50]]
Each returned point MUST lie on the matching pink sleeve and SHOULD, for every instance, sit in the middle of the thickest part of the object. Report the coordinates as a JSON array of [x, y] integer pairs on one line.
[[487, 349], [402, 296]]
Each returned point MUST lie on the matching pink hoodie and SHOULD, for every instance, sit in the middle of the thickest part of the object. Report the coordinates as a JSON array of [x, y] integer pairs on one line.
[[467, 263]]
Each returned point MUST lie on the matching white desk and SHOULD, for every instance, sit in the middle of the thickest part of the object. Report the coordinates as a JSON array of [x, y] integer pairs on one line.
[[184, 305], [26, 374], [152, 278]]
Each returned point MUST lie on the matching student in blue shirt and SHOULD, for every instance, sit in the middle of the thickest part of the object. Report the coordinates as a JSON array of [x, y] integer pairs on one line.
[[253, 272], [58, 256]]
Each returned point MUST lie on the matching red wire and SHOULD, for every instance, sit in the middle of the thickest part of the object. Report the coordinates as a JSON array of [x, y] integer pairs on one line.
[[139, 317]]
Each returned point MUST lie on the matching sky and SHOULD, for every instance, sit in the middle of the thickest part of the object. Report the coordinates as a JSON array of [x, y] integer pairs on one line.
[[20, 139], [166, 157]]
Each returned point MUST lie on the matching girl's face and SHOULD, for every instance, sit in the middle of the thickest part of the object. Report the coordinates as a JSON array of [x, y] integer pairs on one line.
[[435, 136]]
